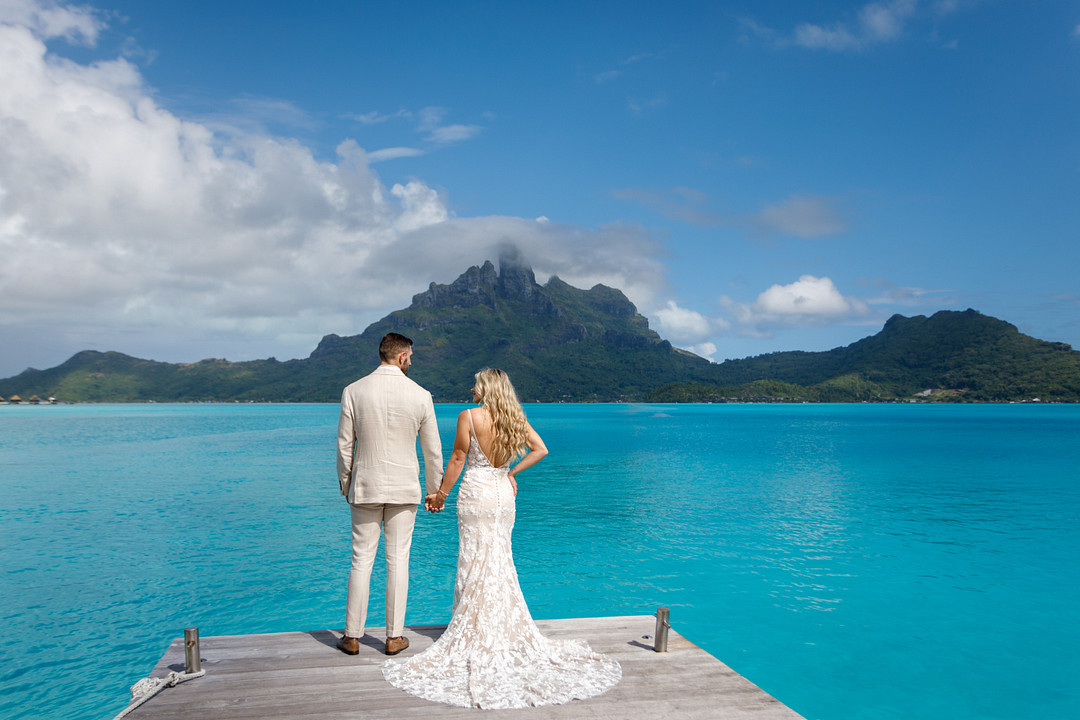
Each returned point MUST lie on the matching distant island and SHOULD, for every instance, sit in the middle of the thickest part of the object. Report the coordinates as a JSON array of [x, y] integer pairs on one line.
[[563, 344]]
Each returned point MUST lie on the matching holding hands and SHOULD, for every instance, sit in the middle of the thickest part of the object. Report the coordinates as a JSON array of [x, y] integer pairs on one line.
[[434, 502]]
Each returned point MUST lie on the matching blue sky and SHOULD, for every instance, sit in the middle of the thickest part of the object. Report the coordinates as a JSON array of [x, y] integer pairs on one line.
[[181, 180]]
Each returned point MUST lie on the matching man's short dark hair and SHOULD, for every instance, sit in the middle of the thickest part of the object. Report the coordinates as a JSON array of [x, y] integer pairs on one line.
[[393, 345]]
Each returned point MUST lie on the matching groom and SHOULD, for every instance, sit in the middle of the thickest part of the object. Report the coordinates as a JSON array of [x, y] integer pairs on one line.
[[381, 416]]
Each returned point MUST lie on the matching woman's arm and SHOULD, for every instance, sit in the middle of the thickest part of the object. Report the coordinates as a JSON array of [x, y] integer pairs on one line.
[[537, 451], [434, 502]]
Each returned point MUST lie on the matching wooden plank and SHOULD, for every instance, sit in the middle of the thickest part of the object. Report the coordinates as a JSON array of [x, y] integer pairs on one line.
[[302, 676]]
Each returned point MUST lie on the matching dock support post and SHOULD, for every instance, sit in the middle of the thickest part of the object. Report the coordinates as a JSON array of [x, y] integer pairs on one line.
[[660, 642], [192, 657]]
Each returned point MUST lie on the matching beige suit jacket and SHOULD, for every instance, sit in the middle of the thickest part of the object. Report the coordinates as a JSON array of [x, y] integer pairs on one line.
[[381, 416]]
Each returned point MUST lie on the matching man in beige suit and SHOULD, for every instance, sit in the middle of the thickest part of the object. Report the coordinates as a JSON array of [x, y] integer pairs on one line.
[[381, 416]]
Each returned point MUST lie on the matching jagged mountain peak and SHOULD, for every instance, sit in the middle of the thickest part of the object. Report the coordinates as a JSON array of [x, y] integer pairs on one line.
[[562, 343], [481, 285]]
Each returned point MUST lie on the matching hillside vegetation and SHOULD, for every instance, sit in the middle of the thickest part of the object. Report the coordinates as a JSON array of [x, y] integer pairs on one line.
[[564, 344]]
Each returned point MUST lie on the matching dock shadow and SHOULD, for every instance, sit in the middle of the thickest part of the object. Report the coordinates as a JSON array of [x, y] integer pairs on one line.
[[330, 638], [432, 632]]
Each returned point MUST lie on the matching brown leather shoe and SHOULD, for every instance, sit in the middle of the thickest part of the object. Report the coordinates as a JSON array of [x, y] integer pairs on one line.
[[395, 645], [349, 645]]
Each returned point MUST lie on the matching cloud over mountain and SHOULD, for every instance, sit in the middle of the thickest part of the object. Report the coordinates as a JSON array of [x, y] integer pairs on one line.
[[117, 212]]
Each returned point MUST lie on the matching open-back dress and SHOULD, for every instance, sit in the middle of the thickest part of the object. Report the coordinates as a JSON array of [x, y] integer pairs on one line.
[[492, 655]]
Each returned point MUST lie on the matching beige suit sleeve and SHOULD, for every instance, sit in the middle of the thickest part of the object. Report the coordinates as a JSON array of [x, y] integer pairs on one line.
[[431, 446], [346, 443]]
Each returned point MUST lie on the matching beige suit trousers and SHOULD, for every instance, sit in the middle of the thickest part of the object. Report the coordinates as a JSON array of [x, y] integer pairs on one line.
[[368, 523]]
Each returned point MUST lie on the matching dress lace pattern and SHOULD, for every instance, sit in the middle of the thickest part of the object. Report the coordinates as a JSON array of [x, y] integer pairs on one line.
[[492, 655]]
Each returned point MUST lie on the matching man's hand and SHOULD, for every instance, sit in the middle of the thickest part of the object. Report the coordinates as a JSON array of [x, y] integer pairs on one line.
[[434, 502]]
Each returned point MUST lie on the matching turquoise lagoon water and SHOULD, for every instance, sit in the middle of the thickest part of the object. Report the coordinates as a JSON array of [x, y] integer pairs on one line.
[[857, 562]]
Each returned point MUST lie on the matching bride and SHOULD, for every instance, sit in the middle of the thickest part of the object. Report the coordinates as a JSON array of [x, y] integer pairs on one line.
[[492, 655]]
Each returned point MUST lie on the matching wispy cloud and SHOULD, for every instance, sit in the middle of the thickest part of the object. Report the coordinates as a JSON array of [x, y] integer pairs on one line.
[[641, 56], [873, 24], [448, 134], [889, 293], [429, 122], [1067, 298], [876, 23], [430, 118], [260, 114], [393, 153], [944, 8], [803, 216], [376, 118], [606, 76], [639, 106], [683, 204]]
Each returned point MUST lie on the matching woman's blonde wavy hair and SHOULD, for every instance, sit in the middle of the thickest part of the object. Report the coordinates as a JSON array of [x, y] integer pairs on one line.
[[511, 428]]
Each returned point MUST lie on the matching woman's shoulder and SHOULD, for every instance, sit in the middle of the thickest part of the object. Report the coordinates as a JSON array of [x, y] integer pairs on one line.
[[480, 416], [476, 414]]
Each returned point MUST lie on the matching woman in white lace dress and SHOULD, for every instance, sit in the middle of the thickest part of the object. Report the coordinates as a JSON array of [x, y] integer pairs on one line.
[[492, 655]]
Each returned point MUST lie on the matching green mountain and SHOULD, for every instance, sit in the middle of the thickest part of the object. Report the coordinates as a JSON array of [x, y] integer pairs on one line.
[[557, 342], [561, 343], [950, 356]]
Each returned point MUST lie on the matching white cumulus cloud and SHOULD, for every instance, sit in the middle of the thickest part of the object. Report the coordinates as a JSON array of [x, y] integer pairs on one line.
[[51, 20], [689, 329], [809, 300], [682, 324], [706, 350], [808, 296], [124, 226]]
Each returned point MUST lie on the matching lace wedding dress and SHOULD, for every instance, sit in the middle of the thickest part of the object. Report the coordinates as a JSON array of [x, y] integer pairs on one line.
[[492, 655]]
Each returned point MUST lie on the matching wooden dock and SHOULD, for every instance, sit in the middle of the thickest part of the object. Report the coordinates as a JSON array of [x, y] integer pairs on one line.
[[302, 676]]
